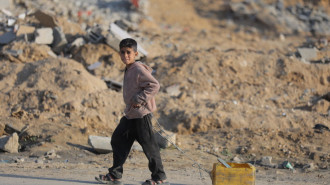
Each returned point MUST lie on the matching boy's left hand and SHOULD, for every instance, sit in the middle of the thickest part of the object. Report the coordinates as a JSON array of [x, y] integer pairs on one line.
[[136, 106]]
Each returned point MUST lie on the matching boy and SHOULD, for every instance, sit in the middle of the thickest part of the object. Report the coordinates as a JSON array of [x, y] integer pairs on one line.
[[139, 90]]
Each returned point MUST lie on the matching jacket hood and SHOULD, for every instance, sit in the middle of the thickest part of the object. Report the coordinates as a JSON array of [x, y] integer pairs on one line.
[[141, 64]]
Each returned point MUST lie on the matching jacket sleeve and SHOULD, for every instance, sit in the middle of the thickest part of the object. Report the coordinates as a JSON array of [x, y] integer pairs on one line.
[[148, 85]]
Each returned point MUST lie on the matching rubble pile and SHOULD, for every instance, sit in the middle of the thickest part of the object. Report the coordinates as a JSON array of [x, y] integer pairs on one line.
[[222, 74], [292, 19]]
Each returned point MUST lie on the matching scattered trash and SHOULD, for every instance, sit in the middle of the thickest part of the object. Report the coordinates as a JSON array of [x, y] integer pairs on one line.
[[287, 165]]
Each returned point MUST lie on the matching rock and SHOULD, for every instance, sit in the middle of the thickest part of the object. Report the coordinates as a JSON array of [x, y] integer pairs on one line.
[[59, 40], [77, 43], [5, 4], [267, 161], [51, 155], [44, 36], [11, 128], [173, 90], [322, 106], [7, 37], [45, 20], [236, 159], [162, 142], [100, 144], [9, 143], [308, 53], [309, 167], [19, 160]]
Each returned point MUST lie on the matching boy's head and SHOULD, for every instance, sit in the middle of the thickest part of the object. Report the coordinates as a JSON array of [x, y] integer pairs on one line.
[[129, 43], [128, 51]]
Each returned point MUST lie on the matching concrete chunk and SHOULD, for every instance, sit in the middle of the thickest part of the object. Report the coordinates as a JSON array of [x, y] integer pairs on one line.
[[308, 53], [100, 144], [118, 34], [5, 4], [23, 29], [45, 19], [44, 36], [173, 90], [7, 37], [59, 40], [9, 143], [103, 144]]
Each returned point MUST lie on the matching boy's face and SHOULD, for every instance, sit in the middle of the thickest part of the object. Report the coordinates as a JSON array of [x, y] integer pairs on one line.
[[128, 55]]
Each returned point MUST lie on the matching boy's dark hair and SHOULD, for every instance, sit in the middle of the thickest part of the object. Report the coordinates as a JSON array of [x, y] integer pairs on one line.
[[130, 43]]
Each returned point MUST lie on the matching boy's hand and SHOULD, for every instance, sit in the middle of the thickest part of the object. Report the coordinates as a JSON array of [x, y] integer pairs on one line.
[[136, 106]]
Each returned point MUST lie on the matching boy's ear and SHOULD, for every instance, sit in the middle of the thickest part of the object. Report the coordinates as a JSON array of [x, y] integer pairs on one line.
[[136, 53]]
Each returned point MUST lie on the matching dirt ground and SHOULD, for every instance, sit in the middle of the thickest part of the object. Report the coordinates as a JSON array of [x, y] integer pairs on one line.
[[242, 93]]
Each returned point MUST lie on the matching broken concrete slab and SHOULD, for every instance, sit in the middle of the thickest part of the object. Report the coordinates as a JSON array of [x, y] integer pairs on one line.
[[59, 40], [121, 34], [11, 128], [5, 4], [14, 53], [102, 144], [308, 53], [165, 139], [9, 143], [173, 90], [44, 36], [45, 19], [114, 85], [7, 37]]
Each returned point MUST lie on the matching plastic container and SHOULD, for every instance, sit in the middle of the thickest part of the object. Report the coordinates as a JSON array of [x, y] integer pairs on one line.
[[238, 174]]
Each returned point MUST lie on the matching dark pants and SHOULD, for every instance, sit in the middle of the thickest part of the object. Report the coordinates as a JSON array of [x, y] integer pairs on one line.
[[122, 140]]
